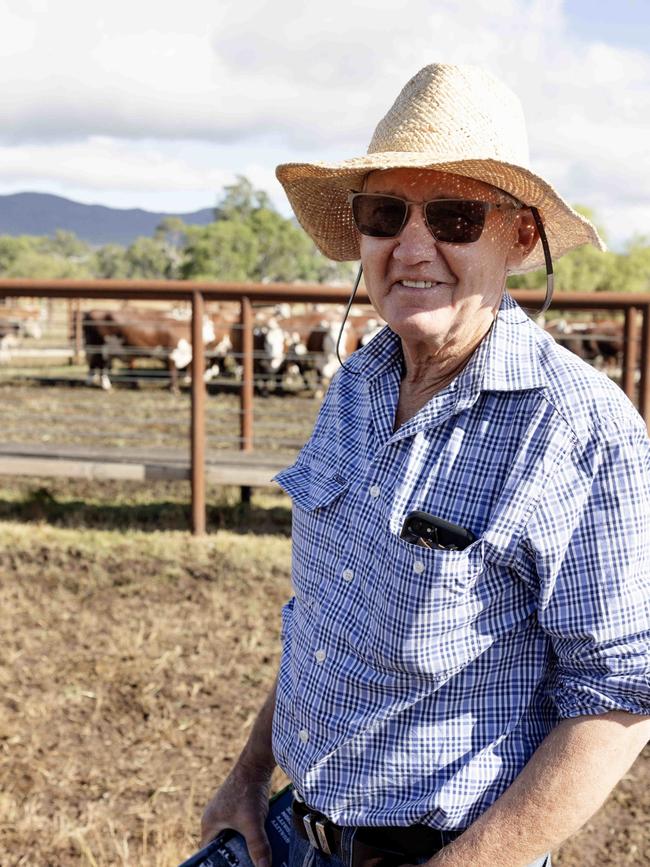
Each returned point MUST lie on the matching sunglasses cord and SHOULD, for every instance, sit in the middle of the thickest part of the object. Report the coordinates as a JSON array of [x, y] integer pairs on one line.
[[548, 261], [347, 312]]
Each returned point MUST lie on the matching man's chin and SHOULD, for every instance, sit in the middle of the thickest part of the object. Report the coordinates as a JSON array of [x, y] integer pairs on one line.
[[430, 326]]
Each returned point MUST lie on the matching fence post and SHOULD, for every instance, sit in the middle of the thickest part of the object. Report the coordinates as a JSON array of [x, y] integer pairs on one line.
[[247, 386], [197, 456], [630, 350], [78, 346], [644, 384]]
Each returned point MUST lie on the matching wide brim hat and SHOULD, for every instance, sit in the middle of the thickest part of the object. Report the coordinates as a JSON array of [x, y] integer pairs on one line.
[[455, 119]]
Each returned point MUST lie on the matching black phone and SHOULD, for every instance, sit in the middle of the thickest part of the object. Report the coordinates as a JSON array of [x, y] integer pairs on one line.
[[430, 531]]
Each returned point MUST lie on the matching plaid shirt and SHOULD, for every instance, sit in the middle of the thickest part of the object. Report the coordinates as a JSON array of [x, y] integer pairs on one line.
[[414, 683]]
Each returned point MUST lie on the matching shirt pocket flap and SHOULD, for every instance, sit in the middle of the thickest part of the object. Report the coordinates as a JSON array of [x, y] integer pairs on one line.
[[309, 488]]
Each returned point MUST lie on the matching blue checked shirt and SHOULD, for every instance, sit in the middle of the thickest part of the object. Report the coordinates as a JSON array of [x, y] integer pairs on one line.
[[415, 684]]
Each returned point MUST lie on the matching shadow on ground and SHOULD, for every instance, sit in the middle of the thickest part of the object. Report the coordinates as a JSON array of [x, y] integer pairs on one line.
[[101, 507]]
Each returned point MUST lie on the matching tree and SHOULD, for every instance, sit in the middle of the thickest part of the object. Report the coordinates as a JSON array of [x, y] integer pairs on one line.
[[240, 200], [110, 263], [147, 259], [251, 240], [171, 233], [35, 257], [226, 250]]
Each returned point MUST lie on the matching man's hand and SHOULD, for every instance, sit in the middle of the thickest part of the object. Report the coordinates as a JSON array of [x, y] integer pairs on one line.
[[241, 803]]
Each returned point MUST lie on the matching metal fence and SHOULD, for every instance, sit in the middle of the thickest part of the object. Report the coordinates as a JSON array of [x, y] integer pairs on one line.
[[633, 308]]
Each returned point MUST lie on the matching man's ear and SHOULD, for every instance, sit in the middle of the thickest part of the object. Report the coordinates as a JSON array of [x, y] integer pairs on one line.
[[525, 239]]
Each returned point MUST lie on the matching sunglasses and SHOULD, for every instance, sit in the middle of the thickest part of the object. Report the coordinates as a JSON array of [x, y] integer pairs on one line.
[[452, 221]]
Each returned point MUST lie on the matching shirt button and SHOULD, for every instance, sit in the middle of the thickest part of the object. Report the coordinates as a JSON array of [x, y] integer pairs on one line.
[[418, 567], [374, 491], [303, 734], [320, 655], [348, 574]]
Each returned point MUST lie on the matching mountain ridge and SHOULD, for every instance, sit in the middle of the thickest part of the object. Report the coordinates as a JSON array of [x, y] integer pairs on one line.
[[33, 213]]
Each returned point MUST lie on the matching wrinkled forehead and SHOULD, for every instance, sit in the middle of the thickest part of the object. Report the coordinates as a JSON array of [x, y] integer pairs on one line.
[[421, 184]]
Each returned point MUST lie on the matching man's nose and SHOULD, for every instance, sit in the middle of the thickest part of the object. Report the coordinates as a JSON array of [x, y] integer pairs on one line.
[[415, 242]]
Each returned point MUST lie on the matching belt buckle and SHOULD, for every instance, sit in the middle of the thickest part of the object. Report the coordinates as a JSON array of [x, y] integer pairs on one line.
[[309, 829], [321, 833]]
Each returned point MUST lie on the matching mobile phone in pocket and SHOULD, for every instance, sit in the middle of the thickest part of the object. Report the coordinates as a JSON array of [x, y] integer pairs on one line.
[[430, 531]]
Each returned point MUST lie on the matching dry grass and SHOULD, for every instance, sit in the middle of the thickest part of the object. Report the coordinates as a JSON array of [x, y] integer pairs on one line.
[[132, 666], [131, 672]]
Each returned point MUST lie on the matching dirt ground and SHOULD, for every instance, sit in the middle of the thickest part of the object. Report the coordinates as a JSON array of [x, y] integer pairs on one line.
[[132, 665]]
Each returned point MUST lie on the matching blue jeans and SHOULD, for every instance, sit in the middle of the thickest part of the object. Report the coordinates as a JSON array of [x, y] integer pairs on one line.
[[301, 854]]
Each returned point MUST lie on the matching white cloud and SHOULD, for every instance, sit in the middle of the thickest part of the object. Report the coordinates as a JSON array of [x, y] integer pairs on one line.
[[149, 97]]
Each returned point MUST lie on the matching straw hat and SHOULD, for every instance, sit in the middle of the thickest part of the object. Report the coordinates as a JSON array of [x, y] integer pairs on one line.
[[456, 119]]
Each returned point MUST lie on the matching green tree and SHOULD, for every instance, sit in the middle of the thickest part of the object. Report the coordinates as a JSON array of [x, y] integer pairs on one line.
[[12, 248], [35, 257], [226, 250], [250, 240], [33, 264], [147, 259], [67, 245], [110, 263], [240, 200], [631, 272], [172, 235]]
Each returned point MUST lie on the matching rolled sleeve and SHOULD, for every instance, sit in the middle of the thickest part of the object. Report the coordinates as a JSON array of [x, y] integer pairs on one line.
[[587, 548]]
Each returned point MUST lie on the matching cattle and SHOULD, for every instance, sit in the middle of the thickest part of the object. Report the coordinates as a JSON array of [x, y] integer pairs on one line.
[[9, 332], [27, 320], [311, 340], [302, 344], [270, 347], [600, 343], [130, 334]]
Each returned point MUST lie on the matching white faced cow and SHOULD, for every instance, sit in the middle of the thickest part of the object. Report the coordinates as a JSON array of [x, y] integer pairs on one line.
[[129, 334]]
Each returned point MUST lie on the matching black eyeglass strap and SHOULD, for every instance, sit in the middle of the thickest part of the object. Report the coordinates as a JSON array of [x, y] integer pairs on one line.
[[347, 311], [550, 280]]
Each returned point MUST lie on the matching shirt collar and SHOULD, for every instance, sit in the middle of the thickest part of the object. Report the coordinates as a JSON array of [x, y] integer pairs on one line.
[[506, 360]]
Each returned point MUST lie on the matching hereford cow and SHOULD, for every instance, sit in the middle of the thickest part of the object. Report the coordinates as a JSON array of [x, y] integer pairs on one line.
[[600, 343], [129, 334], [27, 320], [9, 332], [312, 338]]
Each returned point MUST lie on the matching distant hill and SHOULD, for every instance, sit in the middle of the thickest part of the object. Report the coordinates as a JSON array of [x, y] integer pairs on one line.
[[43, 214]]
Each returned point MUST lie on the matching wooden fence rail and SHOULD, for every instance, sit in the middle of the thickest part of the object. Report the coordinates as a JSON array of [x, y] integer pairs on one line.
[[632, 305]]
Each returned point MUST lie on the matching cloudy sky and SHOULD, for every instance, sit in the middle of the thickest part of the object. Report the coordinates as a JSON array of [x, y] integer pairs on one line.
[[158, 105]]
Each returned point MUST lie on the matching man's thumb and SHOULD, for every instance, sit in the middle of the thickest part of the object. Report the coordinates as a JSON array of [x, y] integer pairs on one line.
[[259, 849]]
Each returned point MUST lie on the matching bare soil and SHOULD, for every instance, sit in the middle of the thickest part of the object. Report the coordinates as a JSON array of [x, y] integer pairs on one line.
[[133, 663]]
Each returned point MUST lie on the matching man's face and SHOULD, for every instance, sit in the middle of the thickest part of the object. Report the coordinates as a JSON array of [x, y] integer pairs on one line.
[[463, 282]]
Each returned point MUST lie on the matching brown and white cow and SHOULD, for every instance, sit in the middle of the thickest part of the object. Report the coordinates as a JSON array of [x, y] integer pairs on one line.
[[312, 339], [27, 320], [129, 334], [600, 343], [9, 332]]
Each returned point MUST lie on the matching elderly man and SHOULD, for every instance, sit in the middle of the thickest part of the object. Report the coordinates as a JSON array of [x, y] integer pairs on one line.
[[465, 690]]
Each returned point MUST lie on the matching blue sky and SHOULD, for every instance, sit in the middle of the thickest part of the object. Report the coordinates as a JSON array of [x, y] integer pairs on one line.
[[624, 22], [159, 105]]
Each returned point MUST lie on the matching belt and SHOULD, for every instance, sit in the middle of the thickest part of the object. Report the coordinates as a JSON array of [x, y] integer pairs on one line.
[[371, 846]]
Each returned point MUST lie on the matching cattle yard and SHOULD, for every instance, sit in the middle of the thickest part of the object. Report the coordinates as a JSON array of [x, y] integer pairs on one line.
[[251, 360]]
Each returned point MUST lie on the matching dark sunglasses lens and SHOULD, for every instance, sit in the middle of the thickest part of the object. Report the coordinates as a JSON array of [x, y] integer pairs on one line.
[[378, 216], [458, 222]]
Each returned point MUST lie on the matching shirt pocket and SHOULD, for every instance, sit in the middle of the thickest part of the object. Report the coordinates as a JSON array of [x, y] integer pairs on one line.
[[422, 608], [316, 524]]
